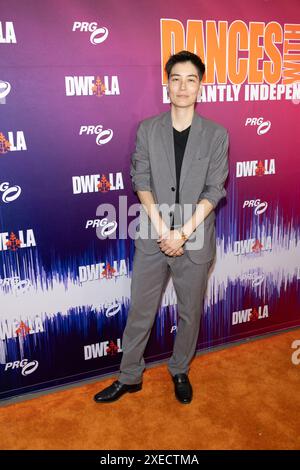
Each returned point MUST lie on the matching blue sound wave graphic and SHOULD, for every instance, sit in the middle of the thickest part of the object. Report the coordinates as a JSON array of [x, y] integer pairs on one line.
[[56, 306]]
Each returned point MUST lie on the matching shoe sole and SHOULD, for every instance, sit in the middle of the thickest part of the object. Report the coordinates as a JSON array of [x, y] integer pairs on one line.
[[184, 402]]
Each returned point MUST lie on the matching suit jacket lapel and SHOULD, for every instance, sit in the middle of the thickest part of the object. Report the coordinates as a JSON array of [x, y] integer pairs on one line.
[[192, 147], [168, 141]]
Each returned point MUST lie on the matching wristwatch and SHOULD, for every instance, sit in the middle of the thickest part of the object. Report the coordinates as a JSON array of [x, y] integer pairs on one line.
[[183, 235]]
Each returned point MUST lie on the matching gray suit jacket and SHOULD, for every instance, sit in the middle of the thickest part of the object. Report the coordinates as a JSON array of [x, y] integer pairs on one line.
[[203, 174]]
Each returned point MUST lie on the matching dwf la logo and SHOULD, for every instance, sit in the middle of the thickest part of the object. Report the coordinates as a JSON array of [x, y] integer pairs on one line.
[[105, 348], [9, 193], [13, 143], [255, 168], [99, 34], [12, 242], [7, 33], [103, 136], [94, 272], [5, 88], [26, 367], [92, 86], [97, 183], [13, 329], [262, 126], [250, 315], [252, 245]]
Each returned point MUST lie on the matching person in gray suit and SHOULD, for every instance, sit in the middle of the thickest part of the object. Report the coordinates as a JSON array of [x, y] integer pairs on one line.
[[178, 171]]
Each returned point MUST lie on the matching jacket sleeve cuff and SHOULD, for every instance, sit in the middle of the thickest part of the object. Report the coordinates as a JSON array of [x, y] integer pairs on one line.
[[140, 164], [213, 195], [214, 189]]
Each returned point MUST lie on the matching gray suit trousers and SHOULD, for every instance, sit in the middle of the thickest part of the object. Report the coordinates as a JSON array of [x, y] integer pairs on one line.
[[149, 279]]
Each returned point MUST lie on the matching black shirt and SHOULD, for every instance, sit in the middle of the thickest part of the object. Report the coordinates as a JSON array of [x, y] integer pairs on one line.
[[180, 140]]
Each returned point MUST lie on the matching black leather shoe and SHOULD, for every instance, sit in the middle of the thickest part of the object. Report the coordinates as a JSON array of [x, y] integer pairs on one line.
[[183, 388], [115, 391]]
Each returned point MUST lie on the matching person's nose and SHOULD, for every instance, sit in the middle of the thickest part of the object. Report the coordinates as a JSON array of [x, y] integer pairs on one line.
[[183, 85]]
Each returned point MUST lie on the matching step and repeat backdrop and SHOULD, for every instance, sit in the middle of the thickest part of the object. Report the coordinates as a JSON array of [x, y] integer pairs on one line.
[[76, 78]]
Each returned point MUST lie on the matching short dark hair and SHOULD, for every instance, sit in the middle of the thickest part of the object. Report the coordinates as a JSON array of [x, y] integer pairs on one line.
[[185, 56]]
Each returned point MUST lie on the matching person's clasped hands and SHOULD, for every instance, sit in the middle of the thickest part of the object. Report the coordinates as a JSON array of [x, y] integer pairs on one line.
[[171, 243]]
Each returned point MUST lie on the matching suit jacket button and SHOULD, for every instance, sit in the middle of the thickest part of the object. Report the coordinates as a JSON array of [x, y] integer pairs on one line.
[[173, 189]]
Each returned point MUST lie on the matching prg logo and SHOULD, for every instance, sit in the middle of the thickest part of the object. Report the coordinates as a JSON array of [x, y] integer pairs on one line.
[[25, 366], [103, 136], [256, 279], [259, 206], [110, 309], [296, 354], [5, 88], [104, 227], [15, 284], [262, 126], [99, 34], [9, 193]]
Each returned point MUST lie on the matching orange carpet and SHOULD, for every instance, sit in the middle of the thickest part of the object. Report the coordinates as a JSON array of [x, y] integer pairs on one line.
[[245, 397]]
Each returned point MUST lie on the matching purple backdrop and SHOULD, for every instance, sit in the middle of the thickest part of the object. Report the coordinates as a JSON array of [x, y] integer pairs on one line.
[[64, 283]]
